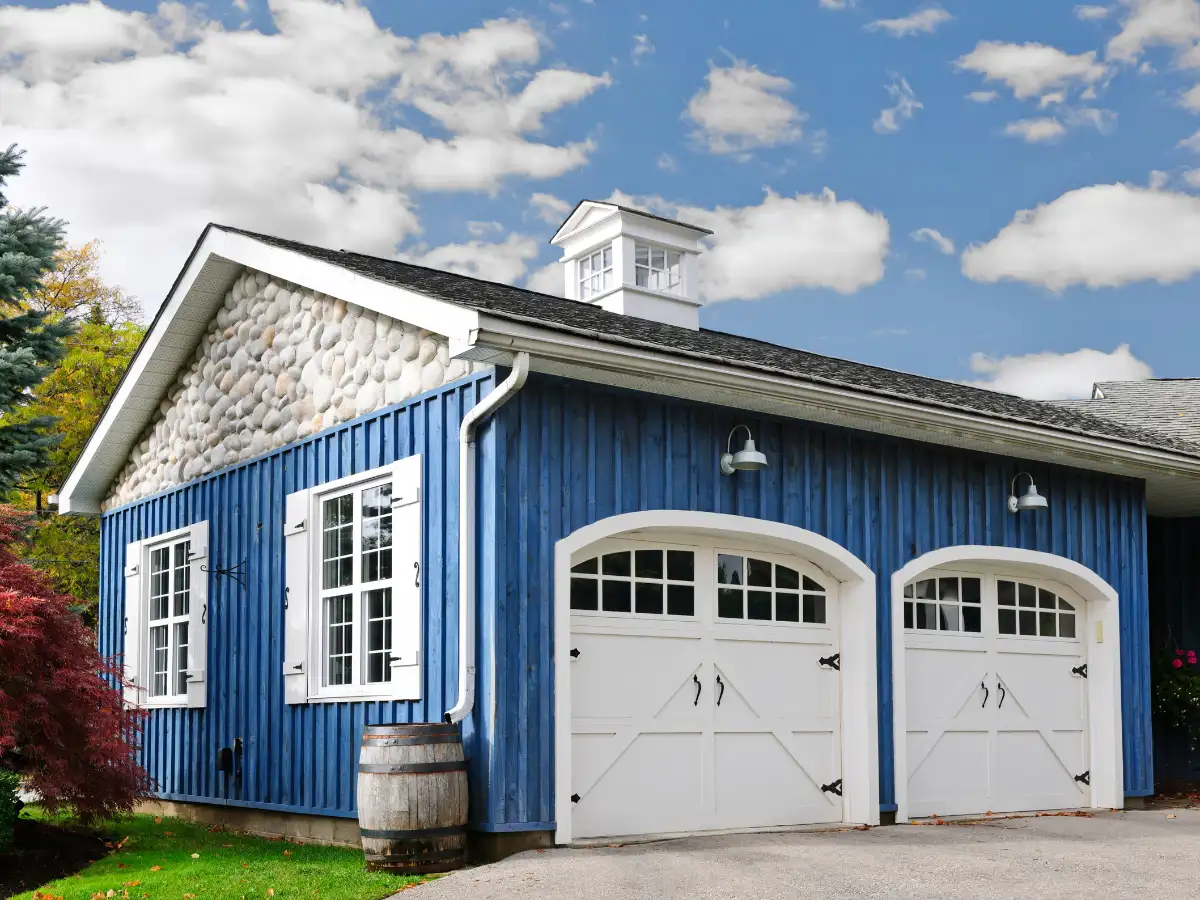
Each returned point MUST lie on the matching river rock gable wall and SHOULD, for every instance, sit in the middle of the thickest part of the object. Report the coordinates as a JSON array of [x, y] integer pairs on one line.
[[277, 363]]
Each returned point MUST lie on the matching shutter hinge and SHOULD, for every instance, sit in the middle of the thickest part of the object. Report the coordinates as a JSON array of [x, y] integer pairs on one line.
[[1085, 778], [574, 653], [833, 788], [833, 662], [1081, 671], [574, 798]]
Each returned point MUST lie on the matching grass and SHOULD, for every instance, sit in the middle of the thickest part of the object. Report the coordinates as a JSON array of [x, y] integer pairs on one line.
[[160, 857]]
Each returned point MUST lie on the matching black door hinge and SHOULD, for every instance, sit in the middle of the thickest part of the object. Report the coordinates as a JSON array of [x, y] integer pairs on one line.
[[1081, 671], [1085, 778], [834, 788], [834, 662], [574, 653], [574, 798]]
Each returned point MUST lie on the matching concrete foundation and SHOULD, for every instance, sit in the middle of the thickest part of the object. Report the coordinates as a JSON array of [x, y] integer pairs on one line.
[[330, 830]]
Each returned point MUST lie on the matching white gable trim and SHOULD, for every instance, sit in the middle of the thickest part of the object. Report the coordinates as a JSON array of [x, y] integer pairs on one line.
[[182, 321]]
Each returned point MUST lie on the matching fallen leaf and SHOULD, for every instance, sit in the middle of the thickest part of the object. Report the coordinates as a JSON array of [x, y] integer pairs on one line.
[[155, 868], [287, 852], [227, 846], [111, 893], [122, 866], [270, 892], [245, 865], [158, 820], [1171, 816], [168, 834], [130, 883], [195, 856]]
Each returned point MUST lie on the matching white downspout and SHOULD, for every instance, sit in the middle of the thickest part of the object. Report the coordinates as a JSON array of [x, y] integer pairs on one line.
[[466, 532]]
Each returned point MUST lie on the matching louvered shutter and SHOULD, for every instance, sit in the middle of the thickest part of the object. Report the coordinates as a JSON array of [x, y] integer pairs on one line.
[[198, 617], [133, 638], [410, 579], [297, 602]]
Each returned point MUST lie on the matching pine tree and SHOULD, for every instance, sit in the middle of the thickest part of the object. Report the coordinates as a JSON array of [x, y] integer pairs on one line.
[[29, 343]]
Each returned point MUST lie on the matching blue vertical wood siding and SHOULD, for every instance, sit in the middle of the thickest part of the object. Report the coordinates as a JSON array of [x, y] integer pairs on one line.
[[1174, 555], [569, 454], [296, 758]]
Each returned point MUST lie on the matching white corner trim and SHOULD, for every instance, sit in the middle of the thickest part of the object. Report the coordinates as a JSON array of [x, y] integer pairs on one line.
[[1103, 658], [859, 713]]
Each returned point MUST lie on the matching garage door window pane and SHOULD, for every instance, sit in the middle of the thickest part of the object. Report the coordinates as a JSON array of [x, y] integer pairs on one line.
[[787, 579], [1046, 599], [681, 565], [1006, 593], [1066, 625], [1047, 624], [758, 605], [970, 590], [787, 607], [616, 596], [908, 614], [1028, 622], [616, 564], [649, 598], [925, 590], [948, 589], [949, 620], [681, 600], [584, 593], [1008, 621], [648, 564], [1026, 595], [810, 585], [927, 616], [729, 603], [587, 567], [759, 573], [729, 569], [814, 609], [971, 619]]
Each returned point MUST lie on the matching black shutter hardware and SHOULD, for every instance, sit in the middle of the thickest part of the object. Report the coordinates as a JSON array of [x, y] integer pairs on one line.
[[1085, 778], [983, 684], [721, 685], [834, 662], [574, 653], [1003, 693], [1081, 671], [833, 788], [696, 702], [574, 798]]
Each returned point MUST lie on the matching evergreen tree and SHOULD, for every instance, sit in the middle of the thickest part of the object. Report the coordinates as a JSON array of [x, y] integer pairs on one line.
[[29, 343]]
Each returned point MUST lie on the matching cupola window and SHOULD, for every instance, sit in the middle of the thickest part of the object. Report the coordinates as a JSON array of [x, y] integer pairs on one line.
[[596, 273], [657, 269]]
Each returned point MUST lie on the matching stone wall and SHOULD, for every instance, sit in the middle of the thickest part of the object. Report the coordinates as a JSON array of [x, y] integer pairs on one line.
[[277, 363]]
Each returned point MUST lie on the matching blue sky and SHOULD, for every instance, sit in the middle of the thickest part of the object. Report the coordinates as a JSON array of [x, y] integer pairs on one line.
[[623, 126]]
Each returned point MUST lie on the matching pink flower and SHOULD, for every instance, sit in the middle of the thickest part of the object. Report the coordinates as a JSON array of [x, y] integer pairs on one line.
[[1179, 653], [1177, 663]]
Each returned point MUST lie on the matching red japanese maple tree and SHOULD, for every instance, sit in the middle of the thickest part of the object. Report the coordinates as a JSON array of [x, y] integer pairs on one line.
[[62, 723]]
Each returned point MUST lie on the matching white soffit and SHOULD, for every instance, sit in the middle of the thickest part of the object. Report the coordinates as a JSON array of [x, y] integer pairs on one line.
[[181, 323]]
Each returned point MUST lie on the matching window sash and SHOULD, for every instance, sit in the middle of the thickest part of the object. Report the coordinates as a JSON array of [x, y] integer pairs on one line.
[[355, 646], [657, 269], [596, 273], [168, 619]]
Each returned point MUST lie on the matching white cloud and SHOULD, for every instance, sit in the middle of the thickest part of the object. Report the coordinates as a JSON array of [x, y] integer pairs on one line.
[[667, 163], [1157, 180], [641, 46], [548, 279], [1148, 23], [480, 228], [1107, 235], [1031, 69], [935, 237], [915, 274], [1057, 376], [549, 208], [741, 108], [1036, 131], [505, 261], [1191, 143], [1192, 177], [982, 96], [1191, 99], [140, 128], [1055, 99], [906, 107], [784, 243], [921, 21], [837, 4], [1091, 13]]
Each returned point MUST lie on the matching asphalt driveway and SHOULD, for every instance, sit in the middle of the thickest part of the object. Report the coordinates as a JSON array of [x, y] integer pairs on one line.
[[1143, 854]]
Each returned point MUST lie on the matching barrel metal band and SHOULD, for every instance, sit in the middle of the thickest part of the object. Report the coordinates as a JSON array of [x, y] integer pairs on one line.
[[384, 834], [454, 765], [409, 730], [376, 741]]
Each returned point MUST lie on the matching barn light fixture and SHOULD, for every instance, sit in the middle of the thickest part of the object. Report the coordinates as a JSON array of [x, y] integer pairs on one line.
[[1031, 499], [748, 459]]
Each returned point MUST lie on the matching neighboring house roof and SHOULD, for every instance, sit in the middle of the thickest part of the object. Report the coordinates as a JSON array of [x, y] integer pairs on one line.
[[1166, 406], [554, 312], [488, 321]]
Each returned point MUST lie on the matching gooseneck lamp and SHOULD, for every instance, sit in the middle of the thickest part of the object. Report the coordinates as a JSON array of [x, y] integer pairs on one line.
[[748, 459], [1031, 499]]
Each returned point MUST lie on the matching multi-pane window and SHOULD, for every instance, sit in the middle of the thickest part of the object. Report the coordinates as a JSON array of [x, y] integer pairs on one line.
[[596, 273], [656, 268], [948, 603], [1033, 611], [761, 590], [170, 605], [356, 587], [648, 582]]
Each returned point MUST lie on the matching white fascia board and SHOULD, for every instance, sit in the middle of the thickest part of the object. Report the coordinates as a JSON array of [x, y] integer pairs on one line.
[[588, 359], [195, 300]]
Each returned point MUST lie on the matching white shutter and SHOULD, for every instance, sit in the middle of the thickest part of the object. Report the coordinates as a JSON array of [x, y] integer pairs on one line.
[[132, 626], [198, 617], [409, 579], [298, 561]]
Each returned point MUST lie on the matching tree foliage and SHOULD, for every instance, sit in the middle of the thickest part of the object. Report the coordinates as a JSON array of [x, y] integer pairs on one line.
[[74, 289], [63, 725], [30, 342]]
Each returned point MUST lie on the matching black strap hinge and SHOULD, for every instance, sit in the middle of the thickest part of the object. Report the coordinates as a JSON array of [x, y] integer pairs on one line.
[[574, 798], [1085, 778], [834, 788], [574, 653], [834, 662], [1081, 671]]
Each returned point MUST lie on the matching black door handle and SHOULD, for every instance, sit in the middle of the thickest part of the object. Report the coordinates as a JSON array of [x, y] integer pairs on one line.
[[696, 679], [983, 684], [720, 693], [1003, 693]]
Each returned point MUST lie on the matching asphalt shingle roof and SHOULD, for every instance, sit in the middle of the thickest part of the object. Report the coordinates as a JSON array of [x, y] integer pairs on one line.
[[1164, 406], [555, 313]]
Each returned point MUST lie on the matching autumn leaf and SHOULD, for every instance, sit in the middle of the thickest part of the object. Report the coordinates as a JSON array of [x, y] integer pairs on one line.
[[195, 856], [287, 852], [130, 883], [158, 820], [270, 892], [155, 868]]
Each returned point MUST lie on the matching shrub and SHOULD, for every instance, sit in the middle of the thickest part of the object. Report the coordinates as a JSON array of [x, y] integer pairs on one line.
[[9, 806], [63, 725], [1176, 680]]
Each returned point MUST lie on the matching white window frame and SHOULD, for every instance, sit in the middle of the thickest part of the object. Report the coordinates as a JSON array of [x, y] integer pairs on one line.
[[654, 274], [306, 665], [594, 273], [138, 626]]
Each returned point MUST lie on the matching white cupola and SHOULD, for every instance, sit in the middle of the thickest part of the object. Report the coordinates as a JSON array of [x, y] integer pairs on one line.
[[631, 262]]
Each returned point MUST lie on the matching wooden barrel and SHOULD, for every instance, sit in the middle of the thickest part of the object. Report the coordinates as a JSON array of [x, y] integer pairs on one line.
[[412, 798]]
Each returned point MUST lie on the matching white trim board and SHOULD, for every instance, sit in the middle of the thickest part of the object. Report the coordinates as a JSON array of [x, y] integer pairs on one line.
[[860, 753], [1102, 638]]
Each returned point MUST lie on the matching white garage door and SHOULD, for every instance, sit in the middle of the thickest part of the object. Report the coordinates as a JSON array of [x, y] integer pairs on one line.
[[704, 690], [996, 698]]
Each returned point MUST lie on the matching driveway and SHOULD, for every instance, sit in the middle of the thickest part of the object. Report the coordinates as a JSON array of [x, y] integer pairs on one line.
[[1143, 853]]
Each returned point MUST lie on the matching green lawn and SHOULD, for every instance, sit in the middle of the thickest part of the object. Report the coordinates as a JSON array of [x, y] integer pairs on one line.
[[176, 860]]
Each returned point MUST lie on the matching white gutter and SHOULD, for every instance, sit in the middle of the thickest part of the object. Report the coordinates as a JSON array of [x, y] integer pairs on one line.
[[466, 532]]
